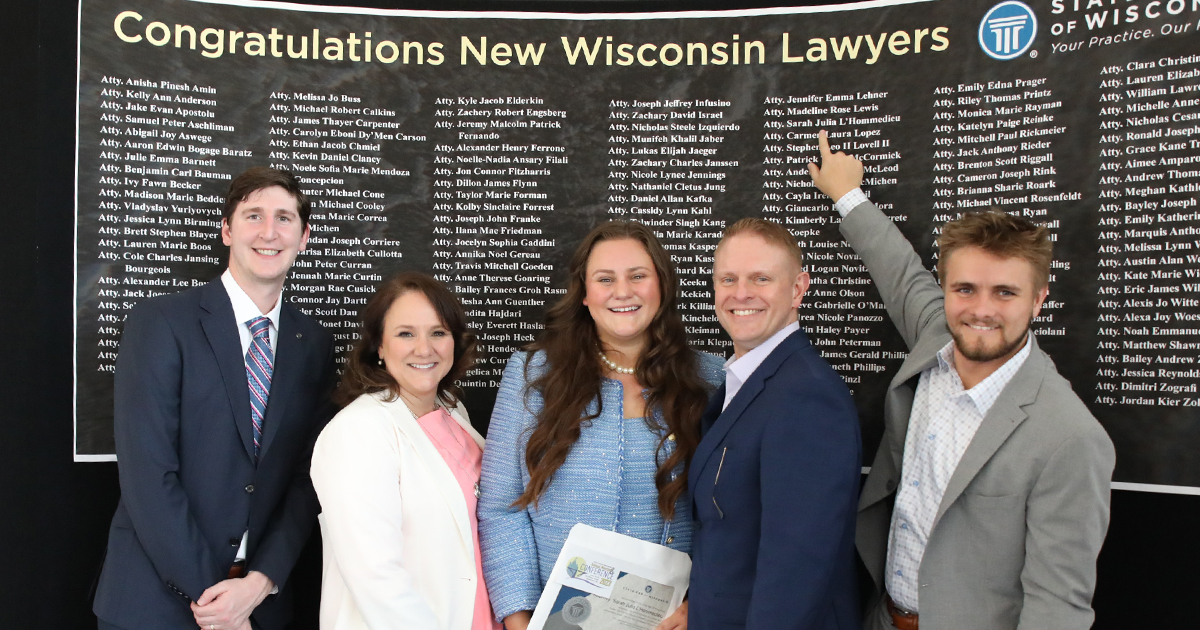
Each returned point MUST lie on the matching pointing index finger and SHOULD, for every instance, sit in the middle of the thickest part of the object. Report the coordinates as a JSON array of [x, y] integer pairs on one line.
[[823, 141]]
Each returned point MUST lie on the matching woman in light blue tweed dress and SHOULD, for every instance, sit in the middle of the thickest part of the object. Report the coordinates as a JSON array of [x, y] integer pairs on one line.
[[596, 424]]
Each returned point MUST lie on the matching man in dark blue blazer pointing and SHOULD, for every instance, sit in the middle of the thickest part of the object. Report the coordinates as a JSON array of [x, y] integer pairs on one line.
[[219, 394], [775, 478]]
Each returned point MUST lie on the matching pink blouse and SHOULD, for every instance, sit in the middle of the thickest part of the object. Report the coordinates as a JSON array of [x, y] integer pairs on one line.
[[464, 458]]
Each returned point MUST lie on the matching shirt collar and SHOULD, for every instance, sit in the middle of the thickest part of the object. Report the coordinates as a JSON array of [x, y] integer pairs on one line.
[[985, 393], [244, 308], [742, 367]]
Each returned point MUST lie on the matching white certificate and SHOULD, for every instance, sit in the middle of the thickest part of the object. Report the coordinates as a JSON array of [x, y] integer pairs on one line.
[[608, 581]]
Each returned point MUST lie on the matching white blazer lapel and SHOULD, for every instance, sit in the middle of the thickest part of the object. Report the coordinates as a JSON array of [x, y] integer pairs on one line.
[[444, 481]]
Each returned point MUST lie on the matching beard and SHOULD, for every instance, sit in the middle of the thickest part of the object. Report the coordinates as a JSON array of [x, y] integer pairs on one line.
[[981, 352]]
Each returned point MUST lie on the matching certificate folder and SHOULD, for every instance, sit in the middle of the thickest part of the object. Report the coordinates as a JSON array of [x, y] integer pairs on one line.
[[608, 581]]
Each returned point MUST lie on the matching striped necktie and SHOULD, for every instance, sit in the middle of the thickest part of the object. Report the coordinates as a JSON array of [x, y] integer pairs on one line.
[[259, 365]]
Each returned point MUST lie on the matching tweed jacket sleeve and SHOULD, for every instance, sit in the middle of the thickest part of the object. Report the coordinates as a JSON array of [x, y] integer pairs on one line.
[[506, 540], [1067, 519], [913, 298]]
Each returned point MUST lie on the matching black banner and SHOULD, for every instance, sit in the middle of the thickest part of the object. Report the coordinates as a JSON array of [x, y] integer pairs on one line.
[[482, 147]]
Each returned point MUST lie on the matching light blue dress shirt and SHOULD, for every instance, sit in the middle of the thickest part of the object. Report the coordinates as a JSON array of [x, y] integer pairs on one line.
[[944, 420]]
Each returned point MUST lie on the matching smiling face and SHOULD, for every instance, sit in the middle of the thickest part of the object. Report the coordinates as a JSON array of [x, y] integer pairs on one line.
[[757, 288], [623, 292], [990, 302], [264, 234], [417, 349]]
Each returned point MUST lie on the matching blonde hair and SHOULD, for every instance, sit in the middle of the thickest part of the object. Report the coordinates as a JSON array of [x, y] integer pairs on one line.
[[770, 232]]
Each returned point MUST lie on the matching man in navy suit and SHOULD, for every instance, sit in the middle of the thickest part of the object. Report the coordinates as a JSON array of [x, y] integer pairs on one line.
[[219, 394], [775, 478]]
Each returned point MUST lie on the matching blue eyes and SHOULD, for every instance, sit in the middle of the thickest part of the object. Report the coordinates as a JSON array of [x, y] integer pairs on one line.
[[969, 291]]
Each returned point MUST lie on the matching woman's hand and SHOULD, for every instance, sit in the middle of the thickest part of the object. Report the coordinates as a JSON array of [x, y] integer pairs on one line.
[[676, 620], [519, 620]]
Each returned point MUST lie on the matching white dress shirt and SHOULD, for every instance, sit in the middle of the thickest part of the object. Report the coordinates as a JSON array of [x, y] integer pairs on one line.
[[245, 310], [738, 370], [849, 201]]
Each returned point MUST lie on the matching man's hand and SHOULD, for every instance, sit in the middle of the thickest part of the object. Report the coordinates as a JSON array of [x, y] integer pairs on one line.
[[839, 173], [676, 620], [227, 604]]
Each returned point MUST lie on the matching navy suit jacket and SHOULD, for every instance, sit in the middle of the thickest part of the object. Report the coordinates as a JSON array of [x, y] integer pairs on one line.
[[190, 486], [774, 542]]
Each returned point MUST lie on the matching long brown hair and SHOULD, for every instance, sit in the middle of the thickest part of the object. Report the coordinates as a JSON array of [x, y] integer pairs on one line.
[[364, 374], [667, 369]]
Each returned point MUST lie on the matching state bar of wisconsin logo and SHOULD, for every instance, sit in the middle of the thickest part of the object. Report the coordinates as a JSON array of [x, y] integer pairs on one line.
[[1008, 30]]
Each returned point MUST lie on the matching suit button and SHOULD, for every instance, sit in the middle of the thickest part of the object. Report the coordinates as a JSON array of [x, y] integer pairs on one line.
[[699, 524], [249, 488], [670, 539], [235, 542], [891, 485]]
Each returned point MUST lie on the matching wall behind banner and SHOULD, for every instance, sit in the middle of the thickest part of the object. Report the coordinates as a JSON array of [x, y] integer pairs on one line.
[[56, 512]]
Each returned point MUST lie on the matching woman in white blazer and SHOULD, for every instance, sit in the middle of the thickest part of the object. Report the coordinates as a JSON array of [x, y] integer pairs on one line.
[[397, 472]]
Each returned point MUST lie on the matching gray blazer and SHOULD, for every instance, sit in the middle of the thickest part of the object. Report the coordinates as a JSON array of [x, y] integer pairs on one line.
[[1015, 540]]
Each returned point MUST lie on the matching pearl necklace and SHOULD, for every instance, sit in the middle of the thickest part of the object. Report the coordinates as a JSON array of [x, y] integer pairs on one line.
[[613, 366]]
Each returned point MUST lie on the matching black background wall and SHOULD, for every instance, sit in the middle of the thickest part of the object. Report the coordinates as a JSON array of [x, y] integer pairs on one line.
[[54, 513]]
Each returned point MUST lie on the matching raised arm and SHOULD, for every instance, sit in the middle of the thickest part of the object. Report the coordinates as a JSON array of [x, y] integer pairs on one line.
[[146, 417], [910, 292], [506, 541]]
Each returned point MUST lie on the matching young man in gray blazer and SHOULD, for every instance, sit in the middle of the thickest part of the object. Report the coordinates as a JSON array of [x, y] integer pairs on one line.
[[988, 500]]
